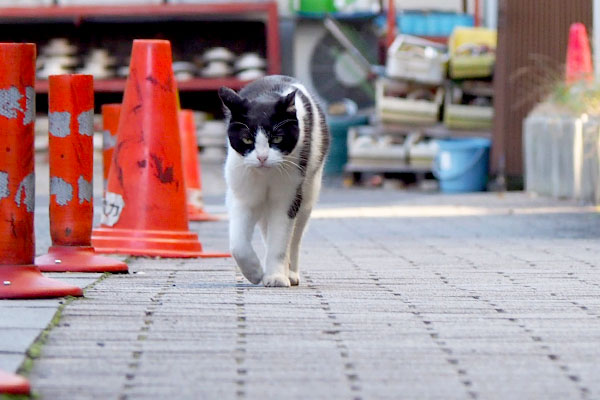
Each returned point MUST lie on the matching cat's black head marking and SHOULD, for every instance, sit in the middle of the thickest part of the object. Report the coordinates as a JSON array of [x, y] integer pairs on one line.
[[269, 112]]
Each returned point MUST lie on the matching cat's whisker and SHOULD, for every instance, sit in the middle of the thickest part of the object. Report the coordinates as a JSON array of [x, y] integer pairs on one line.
[[288, 162], [289, 175], [281, 170]]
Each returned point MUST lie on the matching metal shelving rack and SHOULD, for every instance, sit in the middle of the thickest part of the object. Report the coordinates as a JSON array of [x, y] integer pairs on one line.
[[265, 11]]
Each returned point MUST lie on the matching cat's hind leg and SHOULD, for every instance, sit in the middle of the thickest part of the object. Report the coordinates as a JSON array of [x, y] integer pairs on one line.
[[241, 228], [301, 222], [311, 193]]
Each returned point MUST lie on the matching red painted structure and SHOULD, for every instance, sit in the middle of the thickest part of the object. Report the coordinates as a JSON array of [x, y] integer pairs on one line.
[[13, 384], [78, 14], [19, 278], [71, 148], [145, 211], [191, 168]]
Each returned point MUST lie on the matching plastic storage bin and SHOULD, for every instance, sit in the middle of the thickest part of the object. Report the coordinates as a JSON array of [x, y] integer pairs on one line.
[[367, 146], [472, 65], [405, 110], [431, 23], [466, 116], [416, 59]]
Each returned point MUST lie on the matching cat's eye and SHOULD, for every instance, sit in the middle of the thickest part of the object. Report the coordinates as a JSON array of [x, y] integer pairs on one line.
[[277, 139], [247, 140]]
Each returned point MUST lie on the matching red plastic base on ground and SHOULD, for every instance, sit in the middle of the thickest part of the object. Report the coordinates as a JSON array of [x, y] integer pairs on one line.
[[27, 282], [169, 244], [77, 259], [13, 384], [198, 214]]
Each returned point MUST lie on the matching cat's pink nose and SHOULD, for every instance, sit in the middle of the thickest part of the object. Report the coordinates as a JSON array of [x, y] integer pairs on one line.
[[262, 159]]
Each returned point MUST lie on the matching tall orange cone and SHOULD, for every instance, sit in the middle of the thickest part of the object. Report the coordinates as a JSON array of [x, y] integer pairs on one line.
[[71, 148], [144, 209], [579, 57], [191, 168], [110, 124], [13, 384], [19, 278]]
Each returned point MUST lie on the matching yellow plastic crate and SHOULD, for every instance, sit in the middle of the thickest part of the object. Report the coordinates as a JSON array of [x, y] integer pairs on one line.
[[472, 66]]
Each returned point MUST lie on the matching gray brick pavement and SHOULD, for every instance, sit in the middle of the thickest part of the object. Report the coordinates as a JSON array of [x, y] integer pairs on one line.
[[414, 297]]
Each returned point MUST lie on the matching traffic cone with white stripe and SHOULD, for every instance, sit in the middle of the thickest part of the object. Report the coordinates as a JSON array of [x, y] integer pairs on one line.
[[71, 103], [110, 123], [19, 277], [145, 209]]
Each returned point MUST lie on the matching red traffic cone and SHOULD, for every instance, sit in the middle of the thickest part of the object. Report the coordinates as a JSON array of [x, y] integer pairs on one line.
[[110, 123], [19, 278], [13, 384], [191, 168], [579, 58], [145, 204], [71, 148]]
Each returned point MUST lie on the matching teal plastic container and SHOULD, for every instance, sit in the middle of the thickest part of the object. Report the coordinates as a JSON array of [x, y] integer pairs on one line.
[[461, 165], [338, 150]]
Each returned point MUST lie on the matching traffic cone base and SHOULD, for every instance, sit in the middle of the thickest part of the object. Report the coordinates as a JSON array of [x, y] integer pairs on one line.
[[77, 259], [13, 384], [176, 244], [198, 214], [27, 282], [195, 206], [191, 168]]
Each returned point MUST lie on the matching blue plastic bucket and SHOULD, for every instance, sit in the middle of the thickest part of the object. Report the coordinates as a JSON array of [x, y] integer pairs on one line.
[[461, 165]]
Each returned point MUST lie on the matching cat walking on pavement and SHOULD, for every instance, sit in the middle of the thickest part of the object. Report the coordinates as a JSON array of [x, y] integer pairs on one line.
[[278, 141]]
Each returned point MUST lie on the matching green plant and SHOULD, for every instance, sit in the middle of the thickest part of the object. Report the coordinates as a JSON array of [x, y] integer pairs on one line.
[[578, 98]]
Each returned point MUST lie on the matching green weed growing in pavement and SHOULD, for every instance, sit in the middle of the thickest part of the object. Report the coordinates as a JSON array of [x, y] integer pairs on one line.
[[35, 350], [18, 397]]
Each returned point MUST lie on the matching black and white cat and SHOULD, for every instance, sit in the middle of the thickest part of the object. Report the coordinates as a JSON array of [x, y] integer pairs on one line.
[[278, 141]]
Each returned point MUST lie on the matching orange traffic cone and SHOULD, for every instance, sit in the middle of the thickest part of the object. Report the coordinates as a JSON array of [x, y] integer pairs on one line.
[[191, 168], [71, 148], [110, 123], [13, 384], [579, 58], [19, 278], [145, 205]]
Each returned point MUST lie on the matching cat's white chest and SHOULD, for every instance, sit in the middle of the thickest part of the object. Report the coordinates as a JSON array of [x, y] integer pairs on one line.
[[257, 187]]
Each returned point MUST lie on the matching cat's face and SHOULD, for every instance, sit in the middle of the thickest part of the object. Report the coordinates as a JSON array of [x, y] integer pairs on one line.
[[263, 132]]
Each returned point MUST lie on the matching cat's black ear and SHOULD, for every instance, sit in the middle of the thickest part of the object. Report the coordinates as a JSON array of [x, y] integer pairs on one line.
[[287, 103], [233, 101]]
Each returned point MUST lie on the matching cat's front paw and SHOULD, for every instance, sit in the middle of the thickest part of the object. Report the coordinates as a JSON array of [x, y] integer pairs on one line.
[[255, 276], [294, 278], [276, 280]]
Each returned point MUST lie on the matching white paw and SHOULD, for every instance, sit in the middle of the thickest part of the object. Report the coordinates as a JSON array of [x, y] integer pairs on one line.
[[253, 275], [276, 280], [294, 278]]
